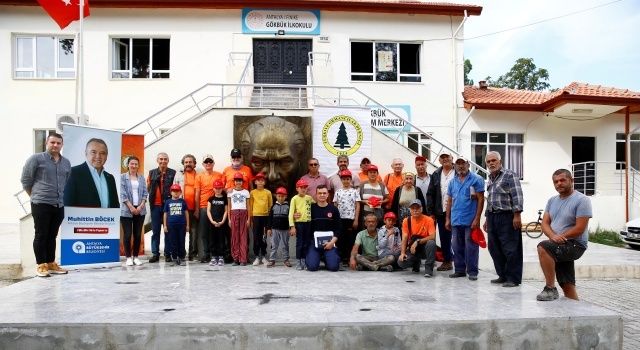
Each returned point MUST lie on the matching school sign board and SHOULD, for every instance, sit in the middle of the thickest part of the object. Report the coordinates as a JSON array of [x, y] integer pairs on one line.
[[268, 21]]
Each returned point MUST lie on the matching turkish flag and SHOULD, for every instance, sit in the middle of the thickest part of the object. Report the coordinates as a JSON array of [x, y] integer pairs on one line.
[[64, 11]]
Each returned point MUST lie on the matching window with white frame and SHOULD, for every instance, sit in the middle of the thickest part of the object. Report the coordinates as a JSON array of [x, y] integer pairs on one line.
[[634, 145], [140, 58], [44, 57], [509, 145], [419, 143], [40, 139], [385, 61]]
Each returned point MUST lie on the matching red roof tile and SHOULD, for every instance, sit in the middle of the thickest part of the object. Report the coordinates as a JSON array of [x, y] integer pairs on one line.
[[504, 98]]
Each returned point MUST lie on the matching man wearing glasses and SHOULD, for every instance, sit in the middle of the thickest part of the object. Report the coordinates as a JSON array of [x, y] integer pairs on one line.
[[314, 178]]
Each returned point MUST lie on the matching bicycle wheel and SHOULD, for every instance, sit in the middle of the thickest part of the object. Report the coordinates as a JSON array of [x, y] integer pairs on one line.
[[533, 230]]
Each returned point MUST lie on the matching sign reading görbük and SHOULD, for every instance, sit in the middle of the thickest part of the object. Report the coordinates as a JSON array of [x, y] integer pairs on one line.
[[262, 21]]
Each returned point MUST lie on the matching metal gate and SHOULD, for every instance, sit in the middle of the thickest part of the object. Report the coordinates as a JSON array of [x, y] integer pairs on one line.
[[280, 61]]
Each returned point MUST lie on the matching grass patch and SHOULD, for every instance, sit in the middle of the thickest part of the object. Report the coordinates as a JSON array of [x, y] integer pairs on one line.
[[606, 237]]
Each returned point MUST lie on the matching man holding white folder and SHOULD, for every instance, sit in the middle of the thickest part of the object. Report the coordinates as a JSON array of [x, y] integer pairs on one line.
[[325, 225]]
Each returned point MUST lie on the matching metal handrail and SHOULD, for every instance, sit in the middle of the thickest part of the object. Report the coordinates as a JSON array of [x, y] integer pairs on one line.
[[604, 177], [312, 59]]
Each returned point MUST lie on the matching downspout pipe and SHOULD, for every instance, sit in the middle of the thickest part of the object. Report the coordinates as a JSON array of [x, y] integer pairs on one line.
[[454, 69]]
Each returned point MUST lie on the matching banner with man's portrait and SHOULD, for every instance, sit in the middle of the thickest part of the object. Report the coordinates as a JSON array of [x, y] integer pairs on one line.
[[90, 229]]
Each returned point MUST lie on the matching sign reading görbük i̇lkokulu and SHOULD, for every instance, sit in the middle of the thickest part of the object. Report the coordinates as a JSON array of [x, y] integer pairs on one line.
[[267, 21]]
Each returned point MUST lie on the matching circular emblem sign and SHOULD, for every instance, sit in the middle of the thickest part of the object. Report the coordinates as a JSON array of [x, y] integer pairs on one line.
[[342, 135]]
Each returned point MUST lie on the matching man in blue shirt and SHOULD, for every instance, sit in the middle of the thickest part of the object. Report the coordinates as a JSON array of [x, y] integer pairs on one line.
[[465, 200]]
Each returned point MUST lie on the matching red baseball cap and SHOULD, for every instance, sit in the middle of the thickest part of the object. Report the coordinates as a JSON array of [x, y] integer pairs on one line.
[[302, 183], [281, 190], [238, 176], [259, 176], [344, 173], [372, 167], [218, 184], [421, 159], [390, 215], [175, 187]]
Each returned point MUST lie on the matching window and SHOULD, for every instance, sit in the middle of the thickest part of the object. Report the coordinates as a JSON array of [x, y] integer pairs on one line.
[[385, 61], [419, 143], [140, 58], [44, 57], [634, 144], [509, 146], [40, 139]]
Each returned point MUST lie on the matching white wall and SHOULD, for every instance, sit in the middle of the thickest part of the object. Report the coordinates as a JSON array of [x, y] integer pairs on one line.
[[548, 147], [200, 43]]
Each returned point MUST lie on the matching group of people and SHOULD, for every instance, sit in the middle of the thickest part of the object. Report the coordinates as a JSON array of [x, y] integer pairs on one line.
[[363, 220]]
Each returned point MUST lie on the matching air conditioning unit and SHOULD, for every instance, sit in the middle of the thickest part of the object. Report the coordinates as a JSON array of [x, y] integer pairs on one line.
[[75, 119]]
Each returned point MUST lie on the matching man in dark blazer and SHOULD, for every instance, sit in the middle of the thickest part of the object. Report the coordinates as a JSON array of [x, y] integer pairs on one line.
[[81, 189]]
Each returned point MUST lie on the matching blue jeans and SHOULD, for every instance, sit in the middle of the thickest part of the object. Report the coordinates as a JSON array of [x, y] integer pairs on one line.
[[465, 251], [331, 258], [156, 229], [303, 238], [445, 238], [279, 238], [176, 236]]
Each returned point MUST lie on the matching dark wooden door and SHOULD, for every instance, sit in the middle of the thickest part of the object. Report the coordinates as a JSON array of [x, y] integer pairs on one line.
[[280, 61], [583, 155]]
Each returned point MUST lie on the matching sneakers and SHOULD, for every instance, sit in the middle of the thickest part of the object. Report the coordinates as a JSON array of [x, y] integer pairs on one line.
[[213, 262], [428, 274], [54, 269], [300, 265], [446, 266], [235, 263], [548, 294], [457, 275], [287, 263], [243, 264], [167, 258], [154, 259], [271, 263], [220, 261], [473, 278], [178, 261], [129, 262], [256, 262], [510, 284], [264, 260], [137, 261], [42, 270]]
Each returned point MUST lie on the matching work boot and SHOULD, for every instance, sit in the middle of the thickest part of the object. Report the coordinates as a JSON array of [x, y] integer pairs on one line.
[[445, 266]]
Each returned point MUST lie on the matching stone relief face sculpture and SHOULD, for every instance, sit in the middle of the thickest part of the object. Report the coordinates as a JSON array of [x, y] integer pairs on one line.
[[275, 146]]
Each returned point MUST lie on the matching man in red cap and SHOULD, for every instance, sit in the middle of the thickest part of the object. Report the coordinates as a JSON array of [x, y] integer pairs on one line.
[[422, 177], [278, 227]]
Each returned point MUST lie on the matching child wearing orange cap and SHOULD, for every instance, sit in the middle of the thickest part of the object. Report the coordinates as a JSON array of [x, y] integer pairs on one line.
[[176, 223], [277, 227]]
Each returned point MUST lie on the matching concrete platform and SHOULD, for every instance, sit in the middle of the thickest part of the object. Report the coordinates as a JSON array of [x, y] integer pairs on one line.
[[598, 261], [159, 306]]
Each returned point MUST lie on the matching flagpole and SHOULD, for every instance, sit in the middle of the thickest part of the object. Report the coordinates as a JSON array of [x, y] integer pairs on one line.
[[81, 59]]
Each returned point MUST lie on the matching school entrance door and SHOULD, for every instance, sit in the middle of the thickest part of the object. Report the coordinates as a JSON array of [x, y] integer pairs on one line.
[[280, 61]]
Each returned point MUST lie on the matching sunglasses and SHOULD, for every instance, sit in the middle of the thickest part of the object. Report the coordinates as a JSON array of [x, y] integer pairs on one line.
[[208, 161], [313, 164]]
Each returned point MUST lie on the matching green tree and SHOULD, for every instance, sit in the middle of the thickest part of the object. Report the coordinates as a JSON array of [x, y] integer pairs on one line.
[[467, 69], [524, 75], [342, 140]]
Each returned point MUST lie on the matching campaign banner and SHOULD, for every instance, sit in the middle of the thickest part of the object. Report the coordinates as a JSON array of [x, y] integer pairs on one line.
[[269, 21], [90, 230], [132, 145], [341, 131]]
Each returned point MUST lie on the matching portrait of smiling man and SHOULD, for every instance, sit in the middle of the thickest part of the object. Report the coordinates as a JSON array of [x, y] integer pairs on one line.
[[89, 185]]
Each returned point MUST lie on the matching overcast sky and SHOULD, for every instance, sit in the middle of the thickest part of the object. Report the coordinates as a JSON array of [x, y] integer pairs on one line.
[[599, 46]]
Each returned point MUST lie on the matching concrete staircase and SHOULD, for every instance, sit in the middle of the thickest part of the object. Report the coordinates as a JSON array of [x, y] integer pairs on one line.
[[279, 98]]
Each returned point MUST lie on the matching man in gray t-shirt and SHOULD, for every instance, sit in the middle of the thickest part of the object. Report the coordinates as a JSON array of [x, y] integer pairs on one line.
[[565, 223]]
